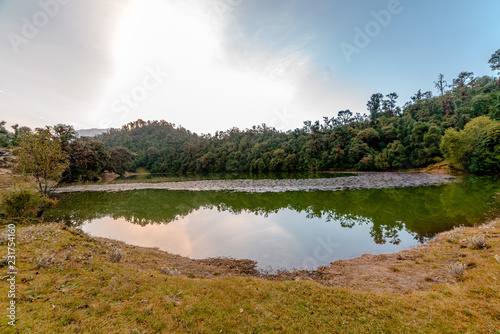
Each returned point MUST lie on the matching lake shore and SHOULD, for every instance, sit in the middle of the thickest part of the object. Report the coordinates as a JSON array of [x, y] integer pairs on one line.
[[374, 180], [67, 281], [70, 282], [417, 269]]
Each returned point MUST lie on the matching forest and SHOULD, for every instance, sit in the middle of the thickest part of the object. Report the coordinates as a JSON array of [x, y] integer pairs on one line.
[[461, 125]]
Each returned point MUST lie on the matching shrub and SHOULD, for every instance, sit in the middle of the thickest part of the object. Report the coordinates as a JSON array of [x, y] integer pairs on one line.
[[457, 269], [116, 255], [170, 271], [478, 242], [23, 203], [46, 260]]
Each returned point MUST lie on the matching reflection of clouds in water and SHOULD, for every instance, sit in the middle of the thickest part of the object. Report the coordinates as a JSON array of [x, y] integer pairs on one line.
[[282, 240], [280, 229], [214, 234], [162, 236]]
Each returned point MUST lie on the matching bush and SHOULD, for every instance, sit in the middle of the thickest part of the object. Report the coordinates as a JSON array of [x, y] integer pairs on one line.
[[478, 242], [457, 269], [23, 203]]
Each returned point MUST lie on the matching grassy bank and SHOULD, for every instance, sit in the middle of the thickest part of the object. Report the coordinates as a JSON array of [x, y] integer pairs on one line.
[[68, 282]]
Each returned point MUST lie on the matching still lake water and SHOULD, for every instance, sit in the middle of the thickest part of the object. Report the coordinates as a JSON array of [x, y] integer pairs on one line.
[[280, 230]]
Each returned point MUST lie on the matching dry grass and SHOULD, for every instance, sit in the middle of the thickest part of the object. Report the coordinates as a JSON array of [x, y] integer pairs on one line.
[[85, 292], [478, 242], [170, 271], [457, 269]]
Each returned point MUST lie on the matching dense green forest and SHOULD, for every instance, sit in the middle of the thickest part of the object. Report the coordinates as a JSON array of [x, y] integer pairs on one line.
[[387, 137]]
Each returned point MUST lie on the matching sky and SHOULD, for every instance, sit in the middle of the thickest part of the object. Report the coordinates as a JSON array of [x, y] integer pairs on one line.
[[211, 65]]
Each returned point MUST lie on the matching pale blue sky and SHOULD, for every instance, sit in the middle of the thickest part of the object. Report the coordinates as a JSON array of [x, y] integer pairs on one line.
[[210, 65]]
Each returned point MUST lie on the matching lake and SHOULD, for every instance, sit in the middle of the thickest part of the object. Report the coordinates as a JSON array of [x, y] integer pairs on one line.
[[282, 224]]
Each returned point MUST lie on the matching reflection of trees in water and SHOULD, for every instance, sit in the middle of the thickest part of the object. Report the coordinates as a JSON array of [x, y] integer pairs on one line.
[[422, 212]]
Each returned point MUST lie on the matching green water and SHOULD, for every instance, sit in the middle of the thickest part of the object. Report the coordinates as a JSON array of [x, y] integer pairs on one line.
[[158, 178], [280, 230]]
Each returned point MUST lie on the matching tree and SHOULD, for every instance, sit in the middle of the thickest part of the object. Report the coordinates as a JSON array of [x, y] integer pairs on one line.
[[441, 84], [4, 135], [389, 105], [88, 158], [344, 116], [495, 63], [40, 154], [373, 106], [120, 160], [66, 133], [418, 96], [464, 80], [18, 131], [479, 138]]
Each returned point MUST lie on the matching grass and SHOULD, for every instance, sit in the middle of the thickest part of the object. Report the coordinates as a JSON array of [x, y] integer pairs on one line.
[[68, 282], [458, 269], [478, 241], [79, 289]]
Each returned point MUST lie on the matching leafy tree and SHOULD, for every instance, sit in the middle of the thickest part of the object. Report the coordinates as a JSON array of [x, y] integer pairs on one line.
[[417, 97], [389, 105], [66, 133], [4, 135], [477, 140], [88, 158], [374, 105], [495, 63], [344, 116], [40, 154], [120, 160], [369, 136]]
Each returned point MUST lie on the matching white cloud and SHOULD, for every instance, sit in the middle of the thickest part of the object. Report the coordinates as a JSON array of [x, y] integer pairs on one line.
[[209, 87]]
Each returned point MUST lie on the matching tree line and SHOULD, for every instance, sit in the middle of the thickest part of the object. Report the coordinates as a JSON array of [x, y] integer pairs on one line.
[[54, 154], [460, 124], [426, 130]]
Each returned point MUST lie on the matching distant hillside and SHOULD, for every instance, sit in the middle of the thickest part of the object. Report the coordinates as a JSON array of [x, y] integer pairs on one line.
[[90, 132], [387, 137]]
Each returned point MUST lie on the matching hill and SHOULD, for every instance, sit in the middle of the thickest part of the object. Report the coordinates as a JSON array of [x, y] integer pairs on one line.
[[387, 137]]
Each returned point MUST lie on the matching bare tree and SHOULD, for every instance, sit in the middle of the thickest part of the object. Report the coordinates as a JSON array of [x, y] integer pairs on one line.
[[441, 84]]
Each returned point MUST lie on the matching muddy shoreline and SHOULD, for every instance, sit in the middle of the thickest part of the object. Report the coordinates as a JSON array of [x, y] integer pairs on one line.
[[374, 180]]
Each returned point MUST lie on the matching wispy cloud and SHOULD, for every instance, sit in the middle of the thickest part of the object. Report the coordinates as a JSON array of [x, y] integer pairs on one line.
[[234, 69]]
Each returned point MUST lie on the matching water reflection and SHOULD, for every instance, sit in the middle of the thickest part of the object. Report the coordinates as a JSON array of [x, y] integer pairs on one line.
[[282, 240], [279, 230]]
